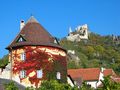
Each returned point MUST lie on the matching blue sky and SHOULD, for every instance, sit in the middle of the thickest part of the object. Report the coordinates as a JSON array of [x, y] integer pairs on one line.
[[102, 16]]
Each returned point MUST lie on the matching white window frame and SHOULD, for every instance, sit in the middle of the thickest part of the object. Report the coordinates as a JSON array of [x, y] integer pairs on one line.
[[58, 75], [22, 74], [39, 73], [23, 56]]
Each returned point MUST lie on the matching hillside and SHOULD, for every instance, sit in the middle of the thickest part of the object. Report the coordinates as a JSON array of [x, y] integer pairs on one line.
[[97, 51]]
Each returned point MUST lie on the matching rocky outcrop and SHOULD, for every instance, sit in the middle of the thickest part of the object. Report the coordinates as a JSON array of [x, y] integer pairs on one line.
[[72, 55]]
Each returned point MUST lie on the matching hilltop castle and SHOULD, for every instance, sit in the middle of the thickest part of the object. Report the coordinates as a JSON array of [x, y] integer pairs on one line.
[[81, 32]]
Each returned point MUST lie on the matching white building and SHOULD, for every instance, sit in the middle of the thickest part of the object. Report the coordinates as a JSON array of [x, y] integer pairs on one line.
[[92, 76]]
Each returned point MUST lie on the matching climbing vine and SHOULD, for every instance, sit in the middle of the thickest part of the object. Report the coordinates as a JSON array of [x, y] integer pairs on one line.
[[36, 59]]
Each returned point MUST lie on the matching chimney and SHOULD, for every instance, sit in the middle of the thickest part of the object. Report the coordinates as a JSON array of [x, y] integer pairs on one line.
[[22, 24], [102, 69]]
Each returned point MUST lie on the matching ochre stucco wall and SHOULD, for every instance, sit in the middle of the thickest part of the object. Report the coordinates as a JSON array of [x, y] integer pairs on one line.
[[53, 53]]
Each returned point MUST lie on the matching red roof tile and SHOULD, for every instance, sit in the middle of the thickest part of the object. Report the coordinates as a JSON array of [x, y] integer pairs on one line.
[[116, 79], [110, 72], [89, 74], [85, 74]]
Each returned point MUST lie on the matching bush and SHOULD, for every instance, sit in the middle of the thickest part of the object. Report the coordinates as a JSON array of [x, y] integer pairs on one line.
[[85, 86], [55, 85], [109, 84], [10, 86], [30, 88]]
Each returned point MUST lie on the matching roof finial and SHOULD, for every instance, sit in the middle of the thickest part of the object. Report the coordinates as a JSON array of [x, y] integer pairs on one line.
[[32, 19]]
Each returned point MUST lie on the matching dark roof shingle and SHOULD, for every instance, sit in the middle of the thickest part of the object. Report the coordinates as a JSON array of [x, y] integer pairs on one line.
[[34, 34]]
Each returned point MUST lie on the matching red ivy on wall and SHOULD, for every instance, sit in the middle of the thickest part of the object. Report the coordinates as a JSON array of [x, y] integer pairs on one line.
[[37, 59]]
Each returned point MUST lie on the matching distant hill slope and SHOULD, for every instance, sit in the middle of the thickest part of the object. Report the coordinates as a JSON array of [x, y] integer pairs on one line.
[[97, 51]]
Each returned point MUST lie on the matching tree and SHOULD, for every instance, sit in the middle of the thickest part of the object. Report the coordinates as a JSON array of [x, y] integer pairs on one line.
[[99, 50], [4, 61], [85, 86], [90, 51], [54, 85], [109, 84]]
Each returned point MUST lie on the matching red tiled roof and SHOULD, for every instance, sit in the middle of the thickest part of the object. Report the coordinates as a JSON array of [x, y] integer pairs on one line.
[[110, 72], [85, 74], [116, 79], [34, 34], [112, 78], [89, 74]]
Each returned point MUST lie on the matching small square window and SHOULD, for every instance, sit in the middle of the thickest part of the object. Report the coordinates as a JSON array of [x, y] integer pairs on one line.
[[58, 75], [22, 74], [39, 73], [23, 56]]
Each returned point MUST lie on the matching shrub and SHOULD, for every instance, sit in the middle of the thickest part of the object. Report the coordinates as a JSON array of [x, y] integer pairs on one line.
[[55, 85], [10, 86]]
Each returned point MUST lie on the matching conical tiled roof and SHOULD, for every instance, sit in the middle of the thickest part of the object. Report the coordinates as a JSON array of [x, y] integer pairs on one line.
[[33, 34]]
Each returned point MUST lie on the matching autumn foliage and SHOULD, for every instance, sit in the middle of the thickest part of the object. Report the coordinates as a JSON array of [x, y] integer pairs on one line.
[[37, 59]]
